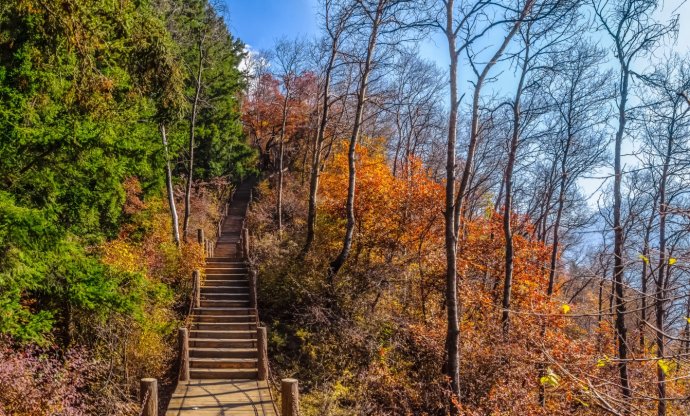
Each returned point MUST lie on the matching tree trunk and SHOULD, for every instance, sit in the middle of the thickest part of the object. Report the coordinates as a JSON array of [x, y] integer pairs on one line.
[[169, 187], [662, 277], [474, 132], [279, 202], [452, 365], [318, 149], [621, 330], [192, 128], [645, 276], [508, 204]]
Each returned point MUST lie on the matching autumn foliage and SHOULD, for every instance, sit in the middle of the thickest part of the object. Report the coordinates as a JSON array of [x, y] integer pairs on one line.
[[374, 343], [262, 114]]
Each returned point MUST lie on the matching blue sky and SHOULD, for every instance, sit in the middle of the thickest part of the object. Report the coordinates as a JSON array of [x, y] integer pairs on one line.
[[258, 23]]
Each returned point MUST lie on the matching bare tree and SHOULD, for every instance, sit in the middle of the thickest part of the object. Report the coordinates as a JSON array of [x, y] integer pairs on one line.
[[204, 39], [336, 19], [579, 94], [169, 186], [463, 26], [634, 33], [289, 55], [416, 111], [666, 121], [374, 17]]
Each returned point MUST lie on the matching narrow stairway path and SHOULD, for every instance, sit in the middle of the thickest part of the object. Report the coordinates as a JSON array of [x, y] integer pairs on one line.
[[223, 353]]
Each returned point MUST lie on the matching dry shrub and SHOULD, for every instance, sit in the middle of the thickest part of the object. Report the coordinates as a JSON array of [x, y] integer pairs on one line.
[[35, 382]]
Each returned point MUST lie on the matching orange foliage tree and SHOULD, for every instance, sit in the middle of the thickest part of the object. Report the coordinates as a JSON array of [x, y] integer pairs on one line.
[[262, 115], [399, 236]]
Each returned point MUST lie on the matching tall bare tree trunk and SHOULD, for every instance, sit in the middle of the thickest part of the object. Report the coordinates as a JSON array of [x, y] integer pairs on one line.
[[452, 364], [662, 276], [644, 278], [338, 263], [192, 128], [508, 205], [474, 127], [281, 151], [619, 296], [318, 147], [169, 187]]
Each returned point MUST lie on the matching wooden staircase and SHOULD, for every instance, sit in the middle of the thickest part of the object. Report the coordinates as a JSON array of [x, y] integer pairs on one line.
[[227, 375], [223, 334]]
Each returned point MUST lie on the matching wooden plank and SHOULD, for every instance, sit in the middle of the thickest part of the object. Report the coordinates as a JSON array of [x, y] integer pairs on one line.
[[221, 397]]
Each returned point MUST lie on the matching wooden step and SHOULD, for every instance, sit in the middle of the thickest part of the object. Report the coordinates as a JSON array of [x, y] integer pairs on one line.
[[226, 265], [223, 373], [238, 288], [226, 268], [229, 272], [208, 362], [207, 303], [223, 352], [215, 334], [205, 310], [224, 260], [222, 343], [225, 283], [238, 295], [225, 326], [226, 276], [224, 318]]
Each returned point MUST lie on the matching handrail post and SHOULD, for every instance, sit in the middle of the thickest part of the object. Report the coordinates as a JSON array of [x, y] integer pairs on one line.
[[262, 345], [245, 243], [183, 337], [289, 393], [252, 290], [196, 279], [219, 229], [148, 396]]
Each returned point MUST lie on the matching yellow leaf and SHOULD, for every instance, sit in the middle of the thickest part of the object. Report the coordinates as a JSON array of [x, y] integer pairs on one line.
[[644, 258], [565, 308], [665, 365], [551, 379], [687, 318], [603, 362], [672, 261], [581, 402]]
